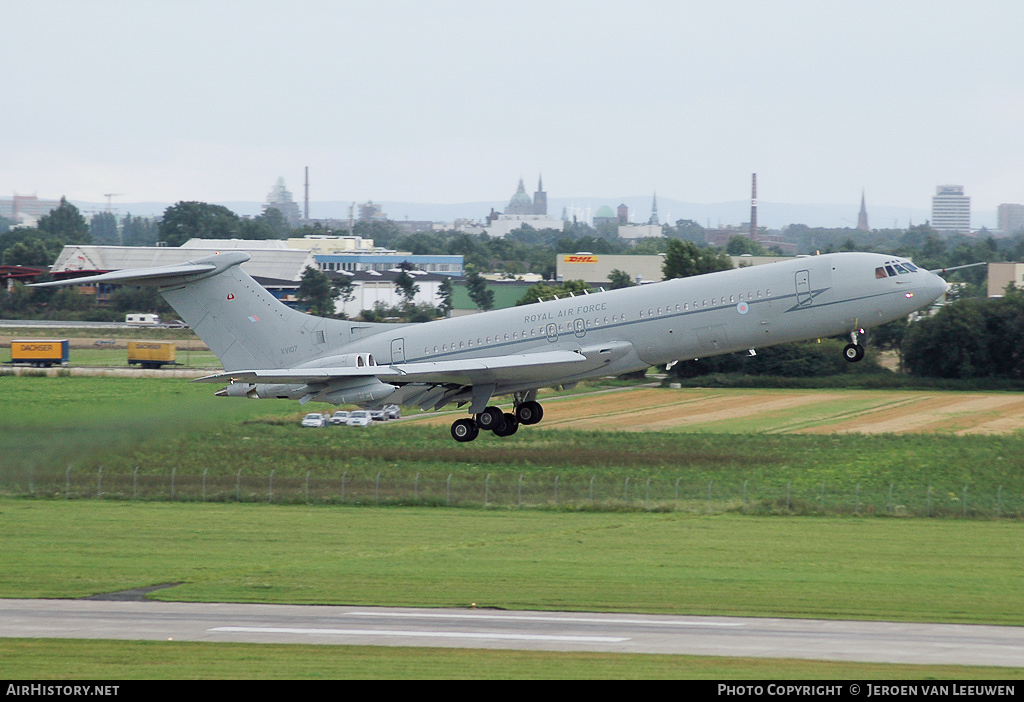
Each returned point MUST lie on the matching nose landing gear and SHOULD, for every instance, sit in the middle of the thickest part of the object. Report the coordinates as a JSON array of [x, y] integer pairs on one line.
[[853, 351]]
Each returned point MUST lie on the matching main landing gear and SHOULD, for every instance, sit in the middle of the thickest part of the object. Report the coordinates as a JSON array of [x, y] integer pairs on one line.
[[494, 420]]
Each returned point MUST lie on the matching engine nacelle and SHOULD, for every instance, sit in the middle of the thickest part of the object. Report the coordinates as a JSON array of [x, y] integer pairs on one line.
[[355, 391], [264, 391], [351, 360]]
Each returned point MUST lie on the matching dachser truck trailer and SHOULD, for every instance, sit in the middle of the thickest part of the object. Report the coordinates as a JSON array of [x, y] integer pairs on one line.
[[42, 353], [152, 354]]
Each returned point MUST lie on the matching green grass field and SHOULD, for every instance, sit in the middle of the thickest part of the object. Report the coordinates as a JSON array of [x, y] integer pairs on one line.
[[950, 570], [907, 570], [32, 659]]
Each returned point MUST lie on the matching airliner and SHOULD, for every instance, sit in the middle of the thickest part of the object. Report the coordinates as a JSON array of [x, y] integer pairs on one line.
[[269, 350]]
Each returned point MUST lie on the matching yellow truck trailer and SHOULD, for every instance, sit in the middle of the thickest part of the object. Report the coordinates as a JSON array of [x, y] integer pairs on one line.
[[40, 352], [152, 354]]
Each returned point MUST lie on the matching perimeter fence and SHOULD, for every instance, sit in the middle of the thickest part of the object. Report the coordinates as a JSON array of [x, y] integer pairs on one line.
[[524, 491]]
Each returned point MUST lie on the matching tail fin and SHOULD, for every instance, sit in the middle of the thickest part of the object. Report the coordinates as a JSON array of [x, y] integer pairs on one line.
[[243, 324]]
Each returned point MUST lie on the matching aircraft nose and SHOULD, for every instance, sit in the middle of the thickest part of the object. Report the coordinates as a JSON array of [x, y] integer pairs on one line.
[[936, 286]]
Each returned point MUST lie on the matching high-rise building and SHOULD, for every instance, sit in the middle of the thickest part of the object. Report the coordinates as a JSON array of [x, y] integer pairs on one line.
[[26, 209], [280, 199], [951, 209], [1011, 219]]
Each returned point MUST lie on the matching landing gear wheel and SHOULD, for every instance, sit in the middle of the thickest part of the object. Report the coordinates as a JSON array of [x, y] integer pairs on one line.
[[491, 419], [510, 427], [853, 352], [529, 412], [464, 430]]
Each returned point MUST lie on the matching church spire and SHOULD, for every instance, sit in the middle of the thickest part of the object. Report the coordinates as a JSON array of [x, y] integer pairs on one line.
[[654, 210], [862, 218], [540, 198]]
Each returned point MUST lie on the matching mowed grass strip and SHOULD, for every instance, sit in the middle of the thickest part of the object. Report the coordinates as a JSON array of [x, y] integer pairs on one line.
[[71, 659], [903, 570]]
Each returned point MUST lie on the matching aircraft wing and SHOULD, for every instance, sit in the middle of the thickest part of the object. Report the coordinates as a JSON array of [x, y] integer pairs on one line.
[[461, 372]]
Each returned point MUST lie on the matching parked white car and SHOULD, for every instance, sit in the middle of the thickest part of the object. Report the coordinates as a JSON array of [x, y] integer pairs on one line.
[[339, 418], [392, 412], [314, 419], [359, 418]]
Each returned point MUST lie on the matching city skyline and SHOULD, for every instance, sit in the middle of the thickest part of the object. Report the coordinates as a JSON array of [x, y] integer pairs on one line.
[[447, 101]]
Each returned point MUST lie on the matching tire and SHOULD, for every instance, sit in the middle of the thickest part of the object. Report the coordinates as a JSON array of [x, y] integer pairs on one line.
[[490, 419], [529, 412], [510, 427], [853, 352], [464, 430]]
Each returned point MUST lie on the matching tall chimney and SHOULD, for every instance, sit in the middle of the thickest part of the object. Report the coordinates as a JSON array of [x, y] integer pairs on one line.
[[753, 209], [306, 210]]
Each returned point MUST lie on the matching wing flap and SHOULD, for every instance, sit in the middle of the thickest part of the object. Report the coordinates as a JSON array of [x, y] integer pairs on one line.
[[464, 371]]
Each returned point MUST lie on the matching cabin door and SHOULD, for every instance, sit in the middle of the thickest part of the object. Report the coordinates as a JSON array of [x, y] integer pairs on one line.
[[803, 288], [398, 351]]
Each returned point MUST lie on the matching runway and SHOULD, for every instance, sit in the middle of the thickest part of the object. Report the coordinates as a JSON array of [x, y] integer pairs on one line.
[[884, 642]]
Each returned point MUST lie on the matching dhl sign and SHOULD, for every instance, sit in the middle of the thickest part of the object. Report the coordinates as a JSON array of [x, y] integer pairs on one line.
[[580, 258]]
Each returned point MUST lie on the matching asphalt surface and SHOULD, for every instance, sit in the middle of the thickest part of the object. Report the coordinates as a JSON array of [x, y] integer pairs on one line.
[[884, 642]]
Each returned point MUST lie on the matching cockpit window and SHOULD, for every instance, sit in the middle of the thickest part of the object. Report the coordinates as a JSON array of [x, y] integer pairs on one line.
[[894, 268]]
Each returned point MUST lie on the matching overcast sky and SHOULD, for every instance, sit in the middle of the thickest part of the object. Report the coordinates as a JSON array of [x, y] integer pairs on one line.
[[451, 101]]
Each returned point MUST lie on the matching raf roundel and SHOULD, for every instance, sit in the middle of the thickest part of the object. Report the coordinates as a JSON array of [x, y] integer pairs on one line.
[[742, 308]]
